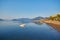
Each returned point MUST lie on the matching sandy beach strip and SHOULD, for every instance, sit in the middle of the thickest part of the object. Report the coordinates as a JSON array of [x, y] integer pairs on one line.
[[54, 24]]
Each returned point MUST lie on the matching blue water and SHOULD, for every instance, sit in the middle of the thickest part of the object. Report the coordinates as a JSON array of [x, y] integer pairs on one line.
[[10, 30]]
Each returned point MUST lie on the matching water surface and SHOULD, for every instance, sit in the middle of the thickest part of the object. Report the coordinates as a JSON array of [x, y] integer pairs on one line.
[[10, 30]]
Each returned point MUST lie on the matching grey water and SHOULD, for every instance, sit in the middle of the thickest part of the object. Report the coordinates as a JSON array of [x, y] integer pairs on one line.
[[10, 30]]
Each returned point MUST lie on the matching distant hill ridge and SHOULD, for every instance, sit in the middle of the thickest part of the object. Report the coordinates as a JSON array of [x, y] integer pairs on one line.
[[1, 19], [27, 19], [20, 19]]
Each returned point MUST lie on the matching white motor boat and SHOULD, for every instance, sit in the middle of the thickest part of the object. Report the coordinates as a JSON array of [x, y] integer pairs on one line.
[[22, 25]]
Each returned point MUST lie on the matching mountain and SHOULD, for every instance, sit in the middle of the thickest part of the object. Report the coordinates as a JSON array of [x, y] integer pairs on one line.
[[22, 20], [1, 20], [37, 18], [27, 20]]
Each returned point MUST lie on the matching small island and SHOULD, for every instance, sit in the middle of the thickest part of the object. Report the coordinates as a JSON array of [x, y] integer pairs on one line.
[[53, 21]]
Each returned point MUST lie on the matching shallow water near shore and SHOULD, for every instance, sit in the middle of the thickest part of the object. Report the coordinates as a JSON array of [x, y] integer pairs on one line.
[[10, 30]]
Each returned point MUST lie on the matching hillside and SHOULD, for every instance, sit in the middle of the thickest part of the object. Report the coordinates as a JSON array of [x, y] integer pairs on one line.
[[1, 20], [53, 21]]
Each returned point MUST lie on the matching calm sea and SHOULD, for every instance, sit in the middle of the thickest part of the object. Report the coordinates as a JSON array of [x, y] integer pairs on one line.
[[10, 30]]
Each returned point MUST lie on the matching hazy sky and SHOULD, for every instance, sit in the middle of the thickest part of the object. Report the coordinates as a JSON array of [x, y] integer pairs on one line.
[[28, 8]]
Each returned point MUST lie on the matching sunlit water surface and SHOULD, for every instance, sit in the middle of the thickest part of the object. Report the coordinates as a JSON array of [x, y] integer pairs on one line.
[[10, 30]]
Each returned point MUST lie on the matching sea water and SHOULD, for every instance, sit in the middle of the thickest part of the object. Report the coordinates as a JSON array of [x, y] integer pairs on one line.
[[10, 30]]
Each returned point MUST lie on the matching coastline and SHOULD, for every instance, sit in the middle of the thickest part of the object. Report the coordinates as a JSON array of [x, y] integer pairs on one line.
[[54, 24]]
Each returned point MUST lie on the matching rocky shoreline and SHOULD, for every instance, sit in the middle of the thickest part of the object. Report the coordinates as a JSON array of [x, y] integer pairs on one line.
[[54, 24]]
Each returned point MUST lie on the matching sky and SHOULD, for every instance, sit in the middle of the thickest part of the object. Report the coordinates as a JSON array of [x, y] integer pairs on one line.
[[10, 9]]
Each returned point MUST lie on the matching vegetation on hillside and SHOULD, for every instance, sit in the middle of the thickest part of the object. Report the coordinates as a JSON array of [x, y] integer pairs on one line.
[[55, 18]]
